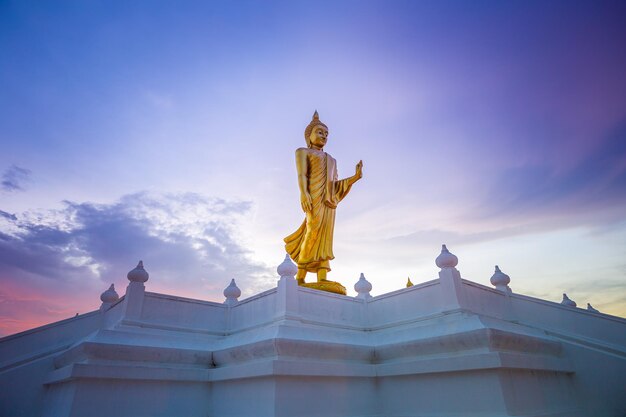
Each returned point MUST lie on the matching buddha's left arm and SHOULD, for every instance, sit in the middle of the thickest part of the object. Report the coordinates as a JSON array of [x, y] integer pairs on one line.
[[342, 187]]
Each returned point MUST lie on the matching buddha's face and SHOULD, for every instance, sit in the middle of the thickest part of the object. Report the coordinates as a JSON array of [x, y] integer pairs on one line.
[[318, 137]]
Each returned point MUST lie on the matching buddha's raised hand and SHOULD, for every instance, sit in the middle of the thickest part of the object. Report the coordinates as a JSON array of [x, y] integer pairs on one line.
[[359, 170]]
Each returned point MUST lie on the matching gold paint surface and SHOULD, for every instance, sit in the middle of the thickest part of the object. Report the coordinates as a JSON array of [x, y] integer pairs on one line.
[[311, 245], [328, 286]]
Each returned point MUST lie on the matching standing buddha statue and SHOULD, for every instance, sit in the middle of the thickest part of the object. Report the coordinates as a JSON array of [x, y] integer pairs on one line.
[[311, 246]]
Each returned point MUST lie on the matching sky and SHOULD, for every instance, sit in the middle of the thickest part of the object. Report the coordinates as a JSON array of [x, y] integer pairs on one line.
[[165, 131]]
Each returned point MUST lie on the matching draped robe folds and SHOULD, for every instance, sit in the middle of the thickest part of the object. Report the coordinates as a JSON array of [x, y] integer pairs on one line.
[[311, 246]]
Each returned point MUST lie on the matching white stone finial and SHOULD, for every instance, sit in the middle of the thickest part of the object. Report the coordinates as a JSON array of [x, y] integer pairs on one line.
[[232, 293], [138, 274], [109, 296], [590, 308], [500, 280], [446, 259], [287, 268], [363, 288], [567, 302]]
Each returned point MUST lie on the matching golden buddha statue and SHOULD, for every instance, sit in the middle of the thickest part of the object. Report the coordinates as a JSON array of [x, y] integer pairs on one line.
[[311, 246]]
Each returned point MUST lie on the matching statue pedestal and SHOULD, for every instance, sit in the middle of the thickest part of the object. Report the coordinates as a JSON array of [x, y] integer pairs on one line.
[[328, 286]]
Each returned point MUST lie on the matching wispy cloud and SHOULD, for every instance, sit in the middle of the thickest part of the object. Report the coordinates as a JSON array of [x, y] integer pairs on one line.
[[8, 216], [15, 178], [186, 241], [595, 183], [540, 197]]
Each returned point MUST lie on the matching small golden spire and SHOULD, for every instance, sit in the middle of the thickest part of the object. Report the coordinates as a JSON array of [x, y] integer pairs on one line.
[[408, 282]]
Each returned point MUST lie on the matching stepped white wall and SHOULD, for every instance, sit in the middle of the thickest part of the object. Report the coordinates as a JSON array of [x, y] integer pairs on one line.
[[447, 347]]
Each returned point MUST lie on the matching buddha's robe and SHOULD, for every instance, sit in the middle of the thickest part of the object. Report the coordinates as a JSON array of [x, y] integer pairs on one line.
[[311, 246]]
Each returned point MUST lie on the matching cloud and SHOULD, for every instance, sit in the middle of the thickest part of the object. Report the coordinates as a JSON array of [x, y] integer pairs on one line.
[[8, 216], [189, 243], [536, 197], [14, 177], [426, 238], [597, 182]]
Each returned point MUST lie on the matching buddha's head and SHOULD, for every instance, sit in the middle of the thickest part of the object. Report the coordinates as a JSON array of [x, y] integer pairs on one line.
[[316, 133]]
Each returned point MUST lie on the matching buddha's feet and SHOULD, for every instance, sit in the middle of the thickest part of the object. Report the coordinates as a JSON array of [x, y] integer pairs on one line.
[[328, 286]]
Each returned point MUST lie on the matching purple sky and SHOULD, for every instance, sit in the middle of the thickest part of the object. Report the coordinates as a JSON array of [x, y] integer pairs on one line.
[[165, 131]]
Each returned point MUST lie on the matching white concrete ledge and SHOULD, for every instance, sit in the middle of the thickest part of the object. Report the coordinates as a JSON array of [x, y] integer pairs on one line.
[[128, 372], [89, 351]]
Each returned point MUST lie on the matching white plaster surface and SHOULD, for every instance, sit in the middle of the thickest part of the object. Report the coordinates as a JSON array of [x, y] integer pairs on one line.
[[446, 347]]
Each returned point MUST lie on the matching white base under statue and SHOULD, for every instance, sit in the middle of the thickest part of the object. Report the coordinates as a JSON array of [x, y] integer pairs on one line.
[[447, 347]]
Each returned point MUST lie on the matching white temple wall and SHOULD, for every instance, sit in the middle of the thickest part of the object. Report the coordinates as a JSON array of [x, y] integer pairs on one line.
[[485, 393], [59, 399], [442, 394], [599, 381], [112, 316], [569, 321], [403, 305], [326, 397], [183, 312], [322, 307], [21, 389], [105, 397], [243, 398], [28, 356], [251, 312], [447, 347], [532, 392], [487, 301], [44, 340]]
